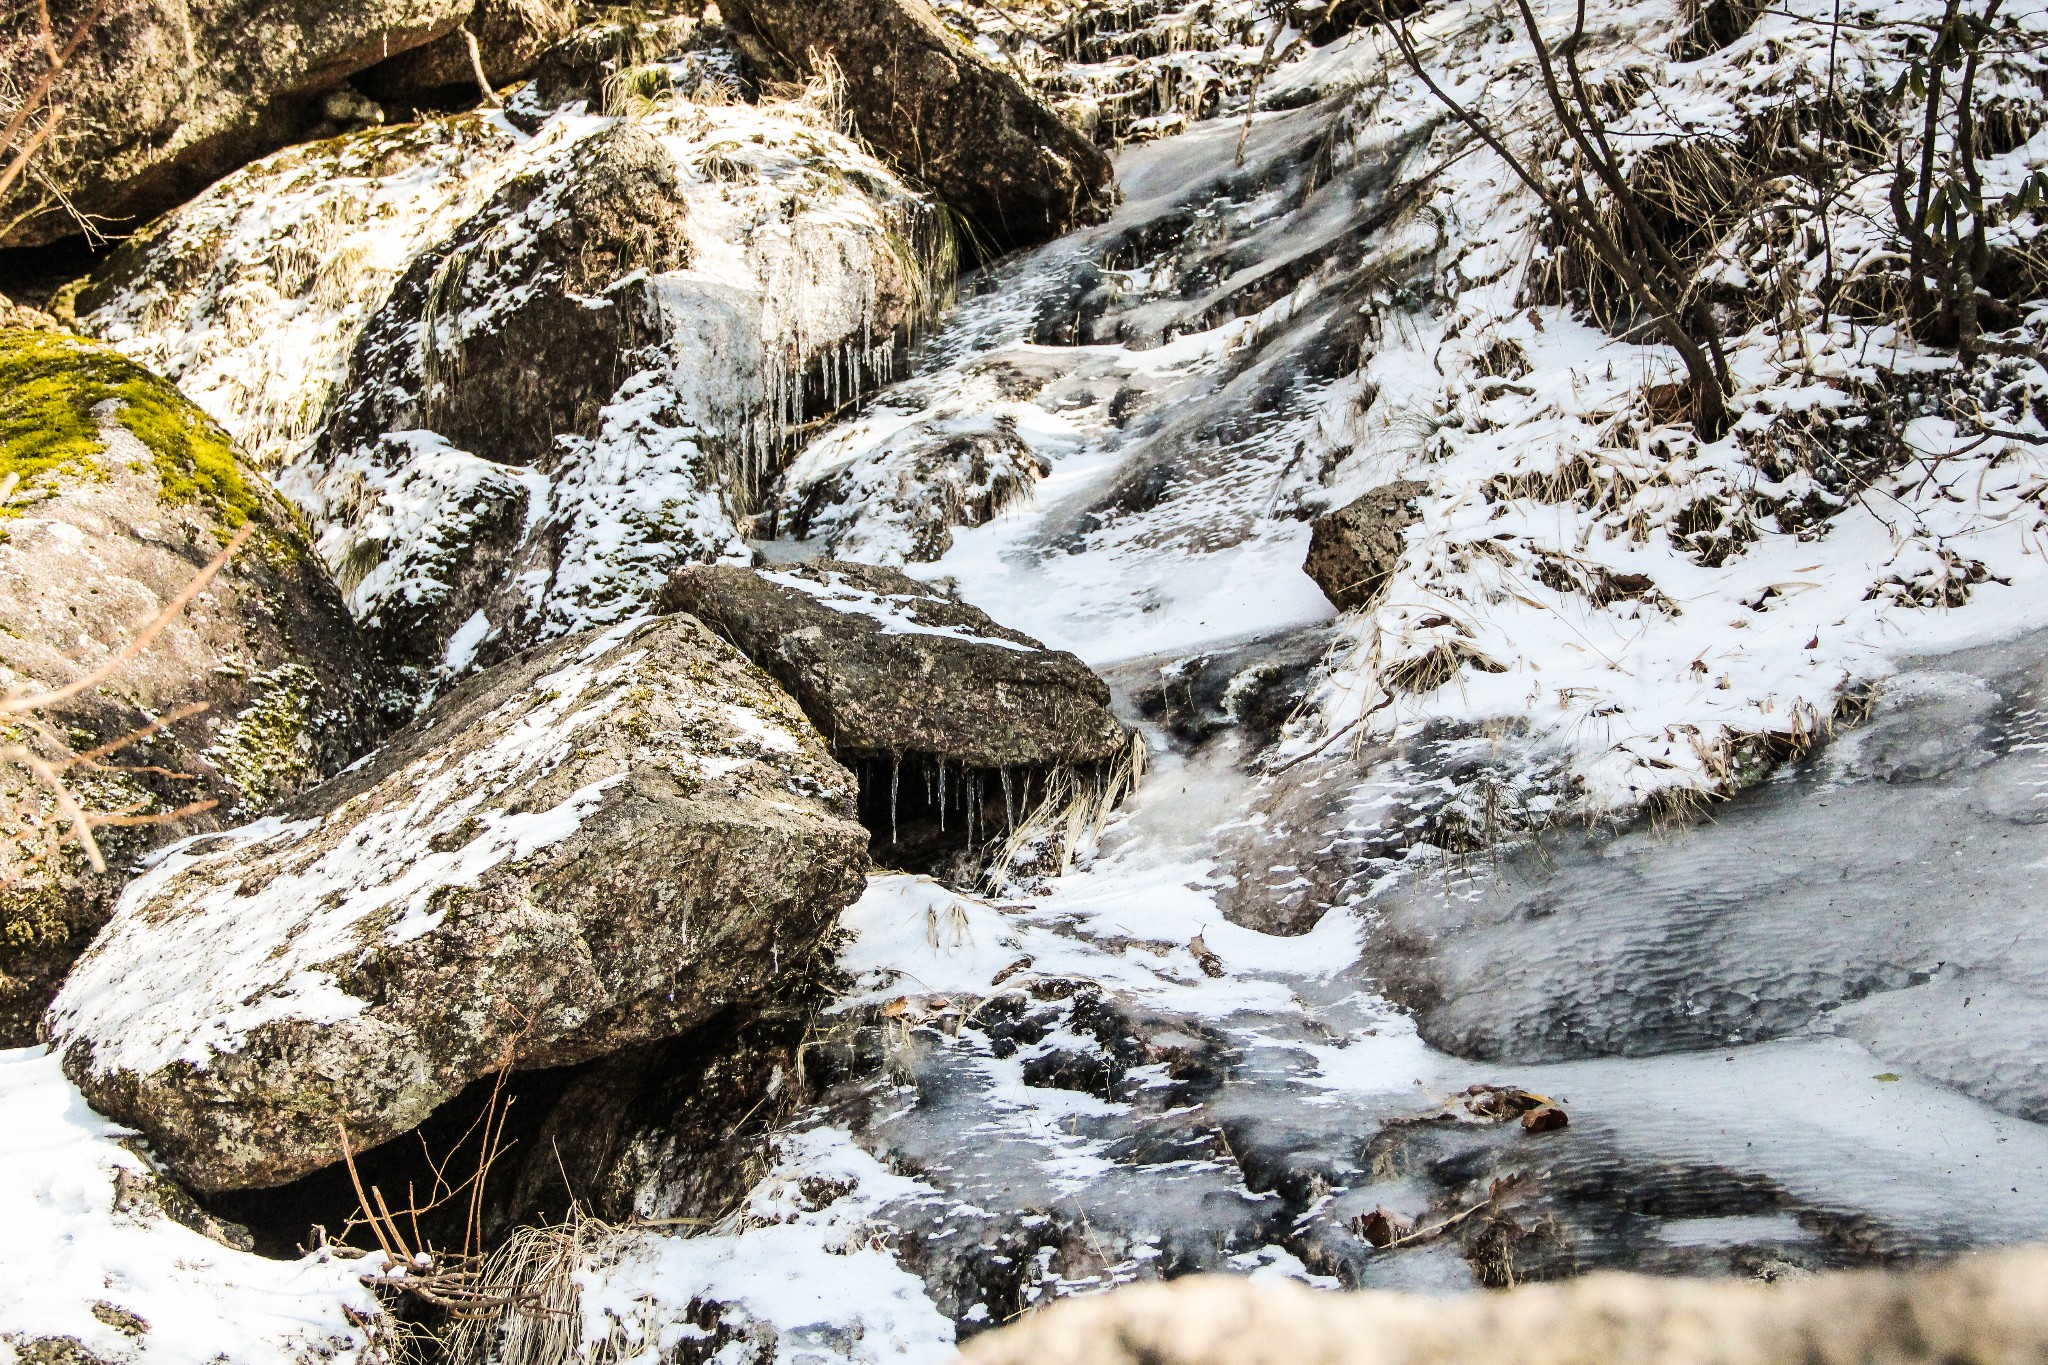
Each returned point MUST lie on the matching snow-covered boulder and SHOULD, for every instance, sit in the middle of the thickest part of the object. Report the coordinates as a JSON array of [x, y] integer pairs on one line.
[[105, 1261], [126, 491], [941, 111], [516, 381], [899, 500], [956, 724], [600, 843], [250, 297]]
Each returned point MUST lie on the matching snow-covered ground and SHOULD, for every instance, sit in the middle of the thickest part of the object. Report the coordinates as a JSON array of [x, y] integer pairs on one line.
[[95, 1258]]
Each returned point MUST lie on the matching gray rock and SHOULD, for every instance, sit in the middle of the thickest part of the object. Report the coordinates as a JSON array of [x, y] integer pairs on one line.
[[941, 112], [1981, 1309], [1352, 551], [599, 843], [170, 95], [128, 491], [946, 715], [510, 35]]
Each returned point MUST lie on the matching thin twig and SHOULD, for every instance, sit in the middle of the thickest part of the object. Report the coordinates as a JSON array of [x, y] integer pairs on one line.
[[16, 702]]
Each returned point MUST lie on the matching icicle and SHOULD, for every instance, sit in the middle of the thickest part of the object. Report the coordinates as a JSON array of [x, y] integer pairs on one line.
[[942, 796], [895, 772], [1009, 806]]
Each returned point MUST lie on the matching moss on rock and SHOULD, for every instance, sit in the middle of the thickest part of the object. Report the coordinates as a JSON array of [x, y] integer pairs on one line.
[[54, 390]]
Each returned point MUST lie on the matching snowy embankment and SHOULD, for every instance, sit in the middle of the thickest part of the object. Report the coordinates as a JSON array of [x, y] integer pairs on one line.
[[97, 1257]]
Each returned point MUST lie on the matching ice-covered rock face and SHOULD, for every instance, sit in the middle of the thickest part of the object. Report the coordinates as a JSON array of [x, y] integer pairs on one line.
[[260, 686], [601, 843], [515, 381]]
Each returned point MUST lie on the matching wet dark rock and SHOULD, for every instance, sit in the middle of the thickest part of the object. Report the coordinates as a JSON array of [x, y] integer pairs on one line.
[[1353, 550], [957, 726], [168, 97], [941, 112], [1012, 1242], [137, 490], [1255, 688], [510, 35], [602, 843]]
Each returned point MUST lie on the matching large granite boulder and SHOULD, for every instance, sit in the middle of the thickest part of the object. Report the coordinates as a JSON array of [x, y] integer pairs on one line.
[[600, 843], [167, 96], [940, 111], [126, 491], [958, 726], [1982, 1309]]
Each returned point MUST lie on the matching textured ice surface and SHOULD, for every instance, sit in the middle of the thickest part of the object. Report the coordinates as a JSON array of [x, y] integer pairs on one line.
[[1887, 892]]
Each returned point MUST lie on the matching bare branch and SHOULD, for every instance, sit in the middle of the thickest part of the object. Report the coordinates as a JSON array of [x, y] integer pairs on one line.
[[15, 702]]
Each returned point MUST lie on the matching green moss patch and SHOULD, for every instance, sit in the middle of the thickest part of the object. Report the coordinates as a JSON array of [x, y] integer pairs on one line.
[[50, 386]]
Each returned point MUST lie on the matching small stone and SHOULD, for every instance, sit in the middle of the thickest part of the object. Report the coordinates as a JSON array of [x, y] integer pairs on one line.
[[1353, 550]]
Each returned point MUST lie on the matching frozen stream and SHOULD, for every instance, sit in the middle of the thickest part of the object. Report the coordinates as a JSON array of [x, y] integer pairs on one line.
[[1809, 1031]]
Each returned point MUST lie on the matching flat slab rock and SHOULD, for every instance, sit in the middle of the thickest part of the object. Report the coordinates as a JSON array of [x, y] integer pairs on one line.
[[598, 843], [884, 664]]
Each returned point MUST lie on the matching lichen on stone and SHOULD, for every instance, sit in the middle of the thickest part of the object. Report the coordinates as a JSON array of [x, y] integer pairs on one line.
[[265, 751]]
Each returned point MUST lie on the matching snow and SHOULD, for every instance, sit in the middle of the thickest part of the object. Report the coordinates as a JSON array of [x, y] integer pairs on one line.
[[816, 1274], [88, 1256], [896, 613]]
